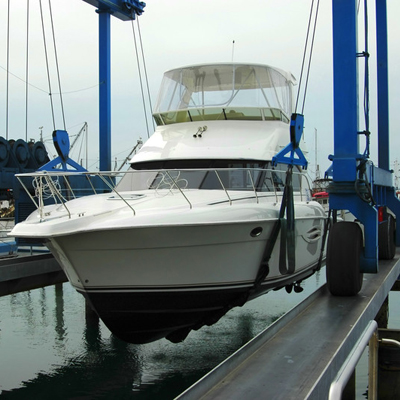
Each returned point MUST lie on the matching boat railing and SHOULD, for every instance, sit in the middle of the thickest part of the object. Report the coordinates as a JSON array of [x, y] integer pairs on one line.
[[60, 187]]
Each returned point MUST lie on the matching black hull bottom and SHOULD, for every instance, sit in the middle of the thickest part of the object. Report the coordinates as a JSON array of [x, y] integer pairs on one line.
[[145, 317]]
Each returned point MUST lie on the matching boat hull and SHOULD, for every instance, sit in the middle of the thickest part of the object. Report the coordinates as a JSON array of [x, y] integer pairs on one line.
[[143, 317], [154, 282]]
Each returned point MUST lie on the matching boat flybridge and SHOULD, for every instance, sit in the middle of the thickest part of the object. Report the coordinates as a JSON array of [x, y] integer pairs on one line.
[[190, 230]]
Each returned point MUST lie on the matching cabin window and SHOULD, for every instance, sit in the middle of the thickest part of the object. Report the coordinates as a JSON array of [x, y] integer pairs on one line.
[[220, 114], [209, 175], [274, 179]]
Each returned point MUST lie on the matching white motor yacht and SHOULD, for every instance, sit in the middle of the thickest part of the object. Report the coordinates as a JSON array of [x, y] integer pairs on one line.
[[195, 226]]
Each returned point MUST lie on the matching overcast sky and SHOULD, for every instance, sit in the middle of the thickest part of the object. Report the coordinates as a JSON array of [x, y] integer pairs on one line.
[[174, 33]]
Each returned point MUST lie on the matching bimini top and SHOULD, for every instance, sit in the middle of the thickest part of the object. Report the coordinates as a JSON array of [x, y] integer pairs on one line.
[[224, 91]]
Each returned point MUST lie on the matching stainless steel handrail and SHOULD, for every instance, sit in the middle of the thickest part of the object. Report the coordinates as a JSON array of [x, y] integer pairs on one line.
[[179, 188], [344, 374], [113, 190], [223, 187], [55, 193], [369, 336], [46, 180]]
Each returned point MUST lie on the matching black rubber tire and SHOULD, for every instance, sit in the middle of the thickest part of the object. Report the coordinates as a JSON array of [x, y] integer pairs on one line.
[[387, 238], [345, 244]]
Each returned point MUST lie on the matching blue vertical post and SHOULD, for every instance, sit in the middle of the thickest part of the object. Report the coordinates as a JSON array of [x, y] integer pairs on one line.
[[345, 89], [346, 158], [382, 83], [105, 90]]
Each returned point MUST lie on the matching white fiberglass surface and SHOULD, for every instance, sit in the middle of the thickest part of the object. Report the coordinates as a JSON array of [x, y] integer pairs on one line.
[[160, 197], [225, 85]]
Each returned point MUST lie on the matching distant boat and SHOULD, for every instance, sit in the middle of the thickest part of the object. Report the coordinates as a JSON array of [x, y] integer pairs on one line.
[[323, 199], [185, 234]]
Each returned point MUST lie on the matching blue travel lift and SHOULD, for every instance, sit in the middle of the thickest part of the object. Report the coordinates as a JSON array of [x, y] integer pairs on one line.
[[358, 186]]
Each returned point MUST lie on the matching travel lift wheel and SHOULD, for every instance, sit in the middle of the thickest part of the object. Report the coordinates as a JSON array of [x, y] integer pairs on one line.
[[387, 238], [345, 244]]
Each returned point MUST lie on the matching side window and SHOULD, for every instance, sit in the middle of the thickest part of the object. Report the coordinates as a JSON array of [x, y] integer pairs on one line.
[[236, 179], [274, 179], [212, 180], [278, 177]]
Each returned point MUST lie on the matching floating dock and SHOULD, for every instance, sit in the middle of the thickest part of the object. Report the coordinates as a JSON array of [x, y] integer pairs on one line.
[[27, 272], [299, 356]]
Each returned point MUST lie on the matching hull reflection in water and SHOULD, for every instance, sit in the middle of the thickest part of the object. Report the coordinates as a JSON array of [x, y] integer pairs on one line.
[[48, 349]]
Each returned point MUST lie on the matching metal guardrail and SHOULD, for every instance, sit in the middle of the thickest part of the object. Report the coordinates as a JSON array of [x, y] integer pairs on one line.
[[56, 188], [344, 374], [369, 337]]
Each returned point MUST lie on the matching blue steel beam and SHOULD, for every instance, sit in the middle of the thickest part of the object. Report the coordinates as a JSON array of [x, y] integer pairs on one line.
[[345, 90], [105, 91], [346, 158], [382, 83], [125, 10]]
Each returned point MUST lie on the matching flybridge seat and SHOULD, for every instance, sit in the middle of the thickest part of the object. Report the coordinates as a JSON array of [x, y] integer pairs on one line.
[[220, 114]]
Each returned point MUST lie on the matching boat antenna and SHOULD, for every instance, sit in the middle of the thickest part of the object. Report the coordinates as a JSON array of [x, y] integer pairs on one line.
[[233, 49]]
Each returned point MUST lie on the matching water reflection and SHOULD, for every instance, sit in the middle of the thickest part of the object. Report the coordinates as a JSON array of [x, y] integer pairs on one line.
[[104, 372], [51, 350], [59, 315]]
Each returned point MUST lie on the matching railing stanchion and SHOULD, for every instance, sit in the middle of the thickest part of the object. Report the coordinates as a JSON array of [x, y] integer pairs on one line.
[[223, 187], [183, 194]]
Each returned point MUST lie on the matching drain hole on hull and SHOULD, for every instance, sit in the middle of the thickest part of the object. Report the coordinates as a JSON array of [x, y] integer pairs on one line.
[[256, 231]]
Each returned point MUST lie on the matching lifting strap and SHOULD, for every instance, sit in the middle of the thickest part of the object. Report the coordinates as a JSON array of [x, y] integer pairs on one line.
[[288, 237], [286, 227]]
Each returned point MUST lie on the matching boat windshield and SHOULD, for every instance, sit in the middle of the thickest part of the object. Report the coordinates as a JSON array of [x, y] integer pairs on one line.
[[236, 178], [224, 91]]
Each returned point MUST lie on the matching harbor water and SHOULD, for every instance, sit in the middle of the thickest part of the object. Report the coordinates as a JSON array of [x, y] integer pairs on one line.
[[49, 349]]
